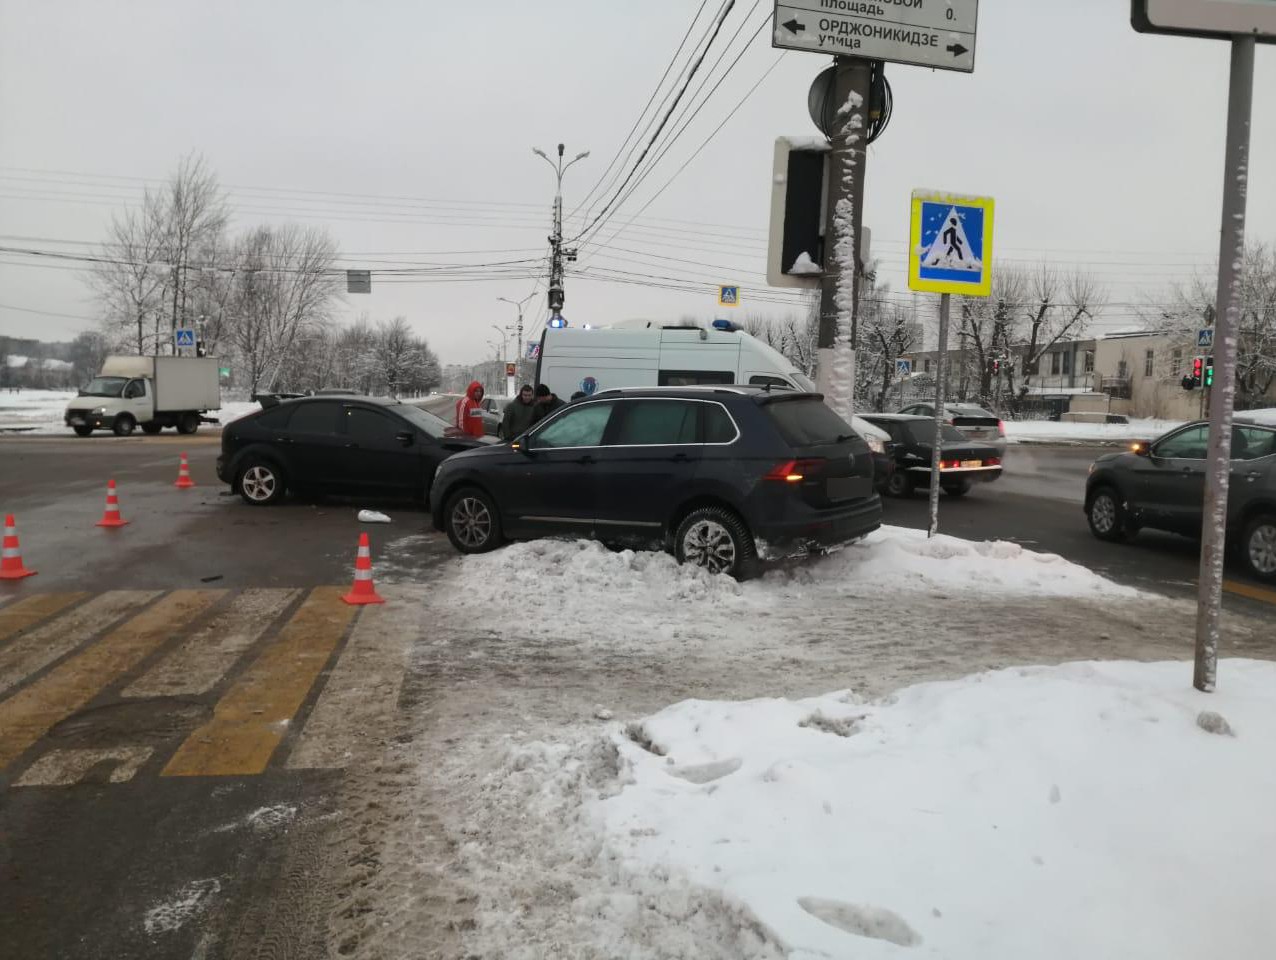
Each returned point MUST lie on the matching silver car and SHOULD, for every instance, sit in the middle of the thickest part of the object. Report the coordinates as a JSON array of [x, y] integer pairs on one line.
[[973, 422]]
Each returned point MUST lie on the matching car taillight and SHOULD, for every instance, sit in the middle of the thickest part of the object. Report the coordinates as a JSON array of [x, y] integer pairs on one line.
[[1001, 428], [795, 471], [992, 462], [949, 464]]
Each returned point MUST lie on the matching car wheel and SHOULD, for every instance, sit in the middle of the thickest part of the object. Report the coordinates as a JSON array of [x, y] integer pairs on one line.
[[899, 484], [188, 423], [716, 539], [1107, 516], [956, 489], [152, 428], [82, 431], [260, 483], [124, 425], [1258, 546], [472, 522]]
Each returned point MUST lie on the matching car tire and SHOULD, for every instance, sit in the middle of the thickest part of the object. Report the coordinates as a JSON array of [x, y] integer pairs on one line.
[[188, 423], [124, 425], [1258, 546], [718, 540], [899, 484], [152, 428], [1106, 515], [261, 483], [956, 489], [82, 431], [472, 522]]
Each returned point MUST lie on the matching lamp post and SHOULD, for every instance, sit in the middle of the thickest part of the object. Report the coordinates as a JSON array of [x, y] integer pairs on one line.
[[556, 293]]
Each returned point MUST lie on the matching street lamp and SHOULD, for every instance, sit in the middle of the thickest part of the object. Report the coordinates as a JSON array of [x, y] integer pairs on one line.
[[556, 294]]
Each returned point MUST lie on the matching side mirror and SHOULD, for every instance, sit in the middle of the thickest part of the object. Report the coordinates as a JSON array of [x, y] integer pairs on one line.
[[1141, 447], [523, 444], [406, 438]]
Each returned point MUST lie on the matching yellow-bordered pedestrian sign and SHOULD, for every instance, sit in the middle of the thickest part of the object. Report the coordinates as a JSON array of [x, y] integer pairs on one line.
[[950, 244], [729, 296]]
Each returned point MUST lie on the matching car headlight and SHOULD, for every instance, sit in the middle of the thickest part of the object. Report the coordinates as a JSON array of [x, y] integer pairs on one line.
[[877, 446], [99, 411]]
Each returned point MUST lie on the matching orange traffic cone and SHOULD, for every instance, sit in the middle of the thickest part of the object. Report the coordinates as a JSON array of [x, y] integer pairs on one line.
[[111, 515], [184, 481], [11, 567], [363, 591]]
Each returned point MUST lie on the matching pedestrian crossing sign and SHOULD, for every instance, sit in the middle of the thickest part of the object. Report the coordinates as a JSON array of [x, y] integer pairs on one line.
[[728, 296], [950, 244], [185, 337]]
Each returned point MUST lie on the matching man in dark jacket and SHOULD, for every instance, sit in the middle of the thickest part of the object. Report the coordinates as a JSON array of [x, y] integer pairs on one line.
[[520, 414], [546, 402]]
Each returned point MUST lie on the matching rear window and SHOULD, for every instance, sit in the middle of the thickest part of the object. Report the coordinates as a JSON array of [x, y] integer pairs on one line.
[[920, 432], [275, 418], [807, 422]]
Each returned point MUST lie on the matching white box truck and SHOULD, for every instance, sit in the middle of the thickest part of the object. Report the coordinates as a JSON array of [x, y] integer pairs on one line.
[[147, 392], [642, 354]]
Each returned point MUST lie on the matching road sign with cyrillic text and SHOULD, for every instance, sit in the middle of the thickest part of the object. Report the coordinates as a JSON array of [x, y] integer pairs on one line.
[[928, 33]]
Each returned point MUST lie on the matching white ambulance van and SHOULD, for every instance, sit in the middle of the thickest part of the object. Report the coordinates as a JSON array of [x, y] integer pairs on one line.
[[646, 354]]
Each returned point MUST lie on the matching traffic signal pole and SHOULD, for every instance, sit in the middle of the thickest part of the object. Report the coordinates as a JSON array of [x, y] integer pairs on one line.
[[1230, 258]]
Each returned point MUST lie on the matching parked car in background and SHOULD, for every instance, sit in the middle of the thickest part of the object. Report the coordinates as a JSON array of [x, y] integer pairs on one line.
[[973, 422], [355, 445], [962, 462], [722, 477], [147, 392], [493, 409], [1161, 484], [882, 447]]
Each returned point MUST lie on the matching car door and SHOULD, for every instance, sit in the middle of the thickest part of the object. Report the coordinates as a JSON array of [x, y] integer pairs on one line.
[[555, 488], [1169, 487], [651, 450], [382, 452], [314, 444], [136, 401]]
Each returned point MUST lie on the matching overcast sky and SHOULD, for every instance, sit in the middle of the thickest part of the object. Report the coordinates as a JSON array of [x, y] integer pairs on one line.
[[406, 129]]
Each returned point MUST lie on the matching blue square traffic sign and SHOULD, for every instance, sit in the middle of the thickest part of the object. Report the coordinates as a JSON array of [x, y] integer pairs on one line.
[[185, 338], [1205, 337]]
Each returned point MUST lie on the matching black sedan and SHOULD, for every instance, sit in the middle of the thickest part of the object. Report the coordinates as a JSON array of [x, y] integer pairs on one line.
[[356, 445], [962, 462], [722, 477], [1161, 484]]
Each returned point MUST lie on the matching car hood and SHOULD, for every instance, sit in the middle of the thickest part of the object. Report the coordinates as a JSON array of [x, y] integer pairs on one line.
[[480, 451]]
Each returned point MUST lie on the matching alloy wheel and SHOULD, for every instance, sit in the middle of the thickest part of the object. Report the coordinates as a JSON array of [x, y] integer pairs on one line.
[[710, 545], [1262, 548], [258, 484], [472, 521], [1103, 513]]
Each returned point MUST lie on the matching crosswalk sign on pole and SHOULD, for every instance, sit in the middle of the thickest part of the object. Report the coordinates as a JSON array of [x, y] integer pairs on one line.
[[728, 296], [904, 368], [185, 338], [1205, 337], [950, 248]]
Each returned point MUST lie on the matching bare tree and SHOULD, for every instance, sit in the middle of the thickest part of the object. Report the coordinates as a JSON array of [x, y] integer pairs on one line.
[[1059, 308], [284, 288], [987, 327], [88, 350], [194, 216], [130, 278], [398, 353]]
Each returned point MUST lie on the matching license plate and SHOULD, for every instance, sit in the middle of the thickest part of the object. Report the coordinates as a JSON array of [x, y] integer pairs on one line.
[[971, 463], [77, 421], [848, 488]]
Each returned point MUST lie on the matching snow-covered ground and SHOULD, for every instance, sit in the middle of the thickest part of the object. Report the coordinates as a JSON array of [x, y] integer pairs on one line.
[[1047, 431], [1047, 812], [41, 411]]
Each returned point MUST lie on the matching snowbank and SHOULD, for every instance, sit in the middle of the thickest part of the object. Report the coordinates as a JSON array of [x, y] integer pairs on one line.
[[1047, 431], [1046, 812], [1267, 416]]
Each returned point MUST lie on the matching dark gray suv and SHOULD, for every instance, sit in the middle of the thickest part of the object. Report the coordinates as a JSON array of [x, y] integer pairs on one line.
[[1161, 484]]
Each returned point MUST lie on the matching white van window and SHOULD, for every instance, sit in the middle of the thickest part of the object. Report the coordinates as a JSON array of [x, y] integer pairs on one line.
[[758, 380], [692, 378]]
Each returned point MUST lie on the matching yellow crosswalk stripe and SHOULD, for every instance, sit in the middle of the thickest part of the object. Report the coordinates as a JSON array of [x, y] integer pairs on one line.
[[31, 712], [1231, 586], [40, 647], [17, 616], [250, 720]]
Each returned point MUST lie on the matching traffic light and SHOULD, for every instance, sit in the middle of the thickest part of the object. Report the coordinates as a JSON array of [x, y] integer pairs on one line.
[[1198, 371], [1209, 371], [996, 368]]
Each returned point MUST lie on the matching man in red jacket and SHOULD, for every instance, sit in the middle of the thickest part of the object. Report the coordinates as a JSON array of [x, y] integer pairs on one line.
[[469, 415]]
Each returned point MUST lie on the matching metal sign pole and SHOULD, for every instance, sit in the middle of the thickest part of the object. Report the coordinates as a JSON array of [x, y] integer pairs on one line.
[[941, 390], [1230, 258]]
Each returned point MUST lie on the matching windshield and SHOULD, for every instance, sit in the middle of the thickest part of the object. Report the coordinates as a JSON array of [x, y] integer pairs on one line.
[[105, 387], [432, 425], [923, 432]]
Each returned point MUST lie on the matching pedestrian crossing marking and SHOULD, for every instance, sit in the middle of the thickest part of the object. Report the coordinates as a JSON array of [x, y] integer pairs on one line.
[[40, 647], [250, 720], [31, 712], [196, 666], [359, 696], [27, 612], [60, 768]]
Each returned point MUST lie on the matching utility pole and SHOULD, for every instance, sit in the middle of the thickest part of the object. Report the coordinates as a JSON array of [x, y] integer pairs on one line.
[[518, 343], [557, 296], [847, 161]]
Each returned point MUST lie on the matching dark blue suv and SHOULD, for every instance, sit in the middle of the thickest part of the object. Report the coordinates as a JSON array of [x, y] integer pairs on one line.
[[721, 476]]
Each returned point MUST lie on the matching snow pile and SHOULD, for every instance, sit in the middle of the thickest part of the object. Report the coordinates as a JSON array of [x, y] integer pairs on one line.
[[34, 411], [1046, 812], [805, 266], [1266, 416], [1047, 431]]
